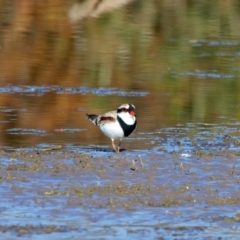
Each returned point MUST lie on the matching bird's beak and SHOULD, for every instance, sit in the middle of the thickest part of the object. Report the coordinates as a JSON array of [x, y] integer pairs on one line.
[[132, 113]]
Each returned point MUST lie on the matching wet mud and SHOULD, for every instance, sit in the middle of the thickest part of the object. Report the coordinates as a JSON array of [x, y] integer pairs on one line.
[[93, 194]]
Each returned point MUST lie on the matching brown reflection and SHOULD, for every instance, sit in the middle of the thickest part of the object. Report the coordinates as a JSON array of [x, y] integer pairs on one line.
[[35, 44], [185, 54], [93, 8]]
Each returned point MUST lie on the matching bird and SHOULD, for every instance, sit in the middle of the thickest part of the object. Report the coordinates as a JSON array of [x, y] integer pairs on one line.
[[116, 124]]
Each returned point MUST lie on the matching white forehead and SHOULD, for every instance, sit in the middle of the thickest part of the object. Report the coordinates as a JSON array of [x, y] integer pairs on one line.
[[125, 105]]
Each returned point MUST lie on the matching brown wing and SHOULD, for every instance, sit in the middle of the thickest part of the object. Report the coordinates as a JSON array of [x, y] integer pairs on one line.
[[102, 119], [106, 119]]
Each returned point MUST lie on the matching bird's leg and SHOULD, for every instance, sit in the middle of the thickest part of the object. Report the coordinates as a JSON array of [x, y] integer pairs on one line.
[[119, 144], [114, 147]]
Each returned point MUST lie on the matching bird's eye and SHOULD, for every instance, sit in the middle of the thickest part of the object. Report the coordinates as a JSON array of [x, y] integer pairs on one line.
[[124, 110]]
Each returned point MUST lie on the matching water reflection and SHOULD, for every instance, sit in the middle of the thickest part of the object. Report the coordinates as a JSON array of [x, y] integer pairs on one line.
[[93, 8], [176, 61]]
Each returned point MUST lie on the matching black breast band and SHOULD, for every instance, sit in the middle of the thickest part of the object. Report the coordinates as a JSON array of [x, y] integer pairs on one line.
[[127, 129]]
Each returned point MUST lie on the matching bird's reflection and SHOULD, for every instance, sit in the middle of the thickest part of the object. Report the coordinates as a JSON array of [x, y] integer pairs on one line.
[[93, 8]]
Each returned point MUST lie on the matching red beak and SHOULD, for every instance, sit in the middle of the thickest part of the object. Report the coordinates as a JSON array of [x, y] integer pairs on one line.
[[132, 113]]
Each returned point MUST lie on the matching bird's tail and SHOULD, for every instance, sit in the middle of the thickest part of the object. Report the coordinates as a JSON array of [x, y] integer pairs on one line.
[[92, 118]]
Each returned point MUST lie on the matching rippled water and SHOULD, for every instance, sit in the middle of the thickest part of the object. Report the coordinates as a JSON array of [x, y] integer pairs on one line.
[[176, 61]]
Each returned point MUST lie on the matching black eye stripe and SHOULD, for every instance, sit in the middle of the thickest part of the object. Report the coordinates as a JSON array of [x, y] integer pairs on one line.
[[129, 109]]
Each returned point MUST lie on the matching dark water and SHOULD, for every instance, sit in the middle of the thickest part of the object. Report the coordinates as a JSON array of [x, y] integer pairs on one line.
[[177, 62]]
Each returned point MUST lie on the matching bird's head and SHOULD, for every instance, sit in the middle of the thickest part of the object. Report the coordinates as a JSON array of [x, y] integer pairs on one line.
[[127, 113]]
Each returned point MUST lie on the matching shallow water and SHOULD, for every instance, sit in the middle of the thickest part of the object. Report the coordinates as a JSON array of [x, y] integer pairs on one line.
[[177, 175], [126, 195]]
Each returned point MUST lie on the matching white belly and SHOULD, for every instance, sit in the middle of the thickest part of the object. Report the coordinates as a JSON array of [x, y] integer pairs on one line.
[[112, 130]]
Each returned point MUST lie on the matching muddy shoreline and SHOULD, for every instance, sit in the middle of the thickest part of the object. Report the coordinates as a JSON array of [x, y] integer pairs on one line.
[[62, 191]]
